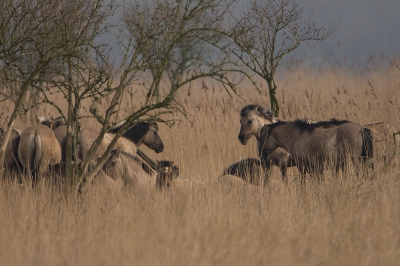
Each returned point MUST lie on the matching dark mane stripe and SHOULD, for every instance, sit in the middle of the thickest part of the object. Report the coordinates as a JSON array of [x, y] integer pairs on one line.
[[136, 133], [269, 127], [303, 124], [261, 111]]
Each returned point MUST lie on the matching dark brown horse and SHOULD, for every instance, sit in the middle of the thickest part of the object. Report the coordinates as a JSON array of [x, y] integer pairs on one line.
[[314, 146], [166, 172]]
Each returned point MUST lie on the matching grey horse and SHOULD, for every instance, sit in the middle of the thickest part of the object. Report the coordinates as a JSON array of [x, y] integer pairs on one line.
[[313, 146]]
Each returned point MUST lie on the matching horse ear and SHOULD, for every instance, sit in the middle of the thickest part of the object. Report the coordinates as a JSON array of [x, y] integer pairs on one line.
[[41, 119], [115, 152]]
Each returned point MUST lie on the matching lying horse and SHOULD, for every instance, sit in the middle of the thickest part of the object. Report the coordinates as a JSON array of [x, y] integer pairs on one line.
[[313, 146], [248, 169], [166, 172], [130, 169]]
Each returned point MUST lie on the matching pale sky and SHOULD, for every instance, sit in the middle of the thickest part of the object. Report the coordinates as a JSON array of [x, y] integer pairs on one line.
[[364, 28], [367, 27]]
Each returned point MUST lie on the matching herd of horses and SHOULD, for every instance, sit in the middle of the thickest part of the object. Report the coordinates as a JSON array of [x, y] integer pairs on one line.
[[310, 146]]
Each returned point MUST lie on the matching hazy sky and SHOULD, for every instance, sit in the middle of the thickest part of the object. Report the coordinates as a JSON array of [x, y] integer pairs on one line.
[[366, 27]]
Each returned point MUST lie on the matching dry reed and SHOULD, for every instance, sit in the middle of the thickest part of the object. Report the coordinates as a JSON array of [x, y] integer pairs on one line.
[[352, 221]]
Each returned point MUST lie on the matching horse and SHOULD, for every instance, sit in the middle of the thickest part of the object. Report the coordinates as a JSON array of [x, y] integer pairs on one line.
[[11, 160], [252, 118], [38, 149], [313, 146], [129, 168], [248, 169], [166, 172], [386, 141], [51, 123], [143, 133]]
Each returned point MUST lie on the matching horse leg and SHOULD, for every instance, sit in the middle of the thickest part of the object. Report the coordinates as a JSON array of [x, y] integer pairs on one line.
[[320, 173], [283, 166], [266, 166], [303, 172]]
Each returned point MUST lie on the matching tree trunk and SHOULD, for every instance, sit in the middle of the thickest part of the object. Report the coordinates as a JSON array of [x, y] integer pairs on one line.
[[272, 96]]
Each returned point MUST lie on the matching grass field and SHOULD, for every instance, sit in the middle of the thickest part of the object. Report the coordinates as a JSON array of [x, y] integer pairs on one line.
[[352, 221]]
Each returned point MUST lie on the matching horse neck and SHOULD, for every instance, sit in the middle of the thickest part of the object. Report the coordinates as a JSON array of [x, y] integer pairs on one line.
[[129, 136], [262, 122], [284, 141]]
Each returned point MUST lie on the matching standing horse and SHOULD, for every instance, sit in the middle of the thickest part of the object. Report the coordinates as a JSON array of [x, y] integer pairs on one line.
[[252, 119], [38, 148], [386, 141], [143, 133], [313, 146], [11, 160]]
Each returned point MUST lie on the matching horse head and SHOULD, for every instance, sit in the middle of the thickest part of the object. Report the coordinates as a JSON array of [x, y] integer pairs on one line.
[[252, 119], [52, 123], [152, 139], [143, 133]]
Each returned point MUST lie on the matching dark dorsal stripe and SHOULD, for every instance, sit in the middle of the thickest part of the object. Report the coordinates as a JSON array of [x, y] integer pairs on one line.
[[303, 124]]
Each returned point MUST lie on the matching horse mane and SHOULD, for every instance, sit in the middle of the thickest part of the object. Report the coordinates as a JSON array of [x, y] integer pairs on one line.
[[261, 111], [267, 128], [304, 124], [137, 132]]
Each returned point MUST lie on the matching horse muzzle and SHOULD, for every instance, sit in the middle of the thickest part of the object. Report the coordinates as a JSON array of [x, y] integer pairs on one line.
[[243, 139], [159, 148]]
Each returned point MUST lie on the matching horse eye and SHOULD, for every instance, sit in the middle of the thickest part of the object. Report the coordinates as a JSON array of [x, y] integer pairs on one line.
[[250, 121]]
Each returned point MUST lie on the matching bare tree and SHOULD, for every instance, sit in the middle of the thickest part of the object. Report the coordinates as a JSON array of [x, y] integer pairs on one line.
[[82, 71], [268, 31], [29, 42], [160, 40], [163, 45]]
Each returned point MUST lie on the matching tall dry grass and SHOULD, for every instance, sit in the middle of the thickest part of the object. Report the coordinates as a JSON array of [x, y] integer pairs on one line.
[[352, 221]]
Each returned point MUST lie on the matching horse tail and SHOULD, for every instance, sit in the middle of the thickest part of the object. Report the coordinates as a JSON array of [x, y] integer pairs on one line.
[[15, 144], [34, 152], [367, 151]]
